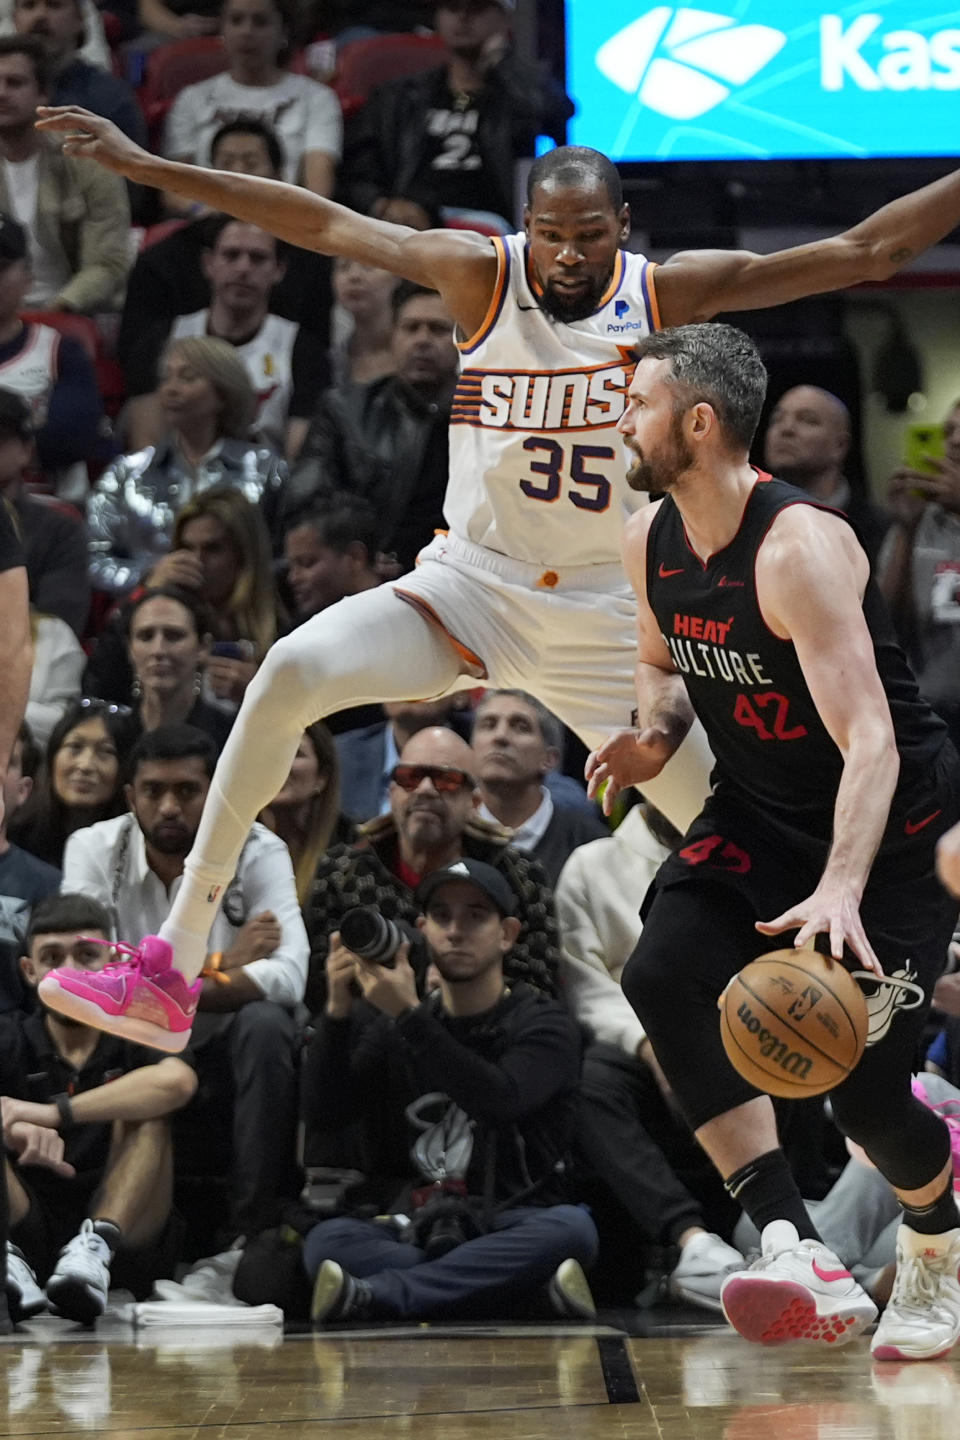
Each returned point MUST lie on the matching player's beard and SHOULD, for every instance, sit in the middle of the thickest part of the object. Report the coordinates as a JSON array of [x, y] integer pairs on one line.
[[656, 472], [567, 309]]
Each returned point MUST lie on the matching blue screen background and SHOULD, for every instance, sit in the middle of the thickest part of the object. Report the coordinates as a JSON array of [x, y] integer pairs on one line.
[[782, 111]]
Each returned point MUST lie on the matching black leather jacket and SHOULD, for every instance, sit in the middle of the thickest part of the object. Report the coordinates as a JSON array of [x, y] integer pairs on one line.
[[385, 143], [379, 439]]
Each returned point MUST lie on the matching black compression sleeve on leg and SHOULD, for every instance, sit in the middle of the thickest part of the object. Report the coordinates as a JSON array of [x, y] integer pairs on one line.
[[936, 1218], [766, 1190]]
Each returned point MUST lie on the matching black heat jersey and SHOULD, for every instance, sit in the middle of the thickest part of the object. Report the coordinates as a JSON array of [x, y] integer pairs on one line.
[[746, 685]]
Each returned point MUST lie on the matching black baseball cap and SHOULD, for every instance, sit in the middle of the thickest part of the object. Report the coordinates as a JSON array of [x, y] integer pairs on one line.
[[13, 240], [470, 872]]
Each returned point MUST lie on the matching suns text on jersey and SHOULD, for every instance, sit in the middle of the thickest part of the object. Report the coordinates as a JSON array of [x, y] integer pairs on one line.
[[528, 400]]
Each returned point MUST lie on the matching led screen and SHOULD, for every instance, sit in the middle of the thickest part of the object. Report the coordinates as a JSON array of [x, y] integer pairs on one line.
[[764, 79]]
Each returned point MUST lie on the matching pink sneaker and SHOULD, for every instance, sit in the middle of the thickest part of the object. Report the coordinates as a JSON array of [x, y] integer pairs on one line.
[[143, 998]]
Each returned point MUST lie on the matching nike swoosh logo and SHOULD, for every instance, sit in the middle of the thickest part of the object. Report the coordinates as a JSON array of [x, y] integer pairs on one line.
[[665, 574], [729, 584], [828, 1275], [912, 826]]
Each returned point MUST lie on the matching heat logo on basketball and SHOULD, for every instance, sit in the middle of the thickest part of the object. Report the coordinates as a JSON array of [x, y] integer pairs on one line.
[[564, 400]]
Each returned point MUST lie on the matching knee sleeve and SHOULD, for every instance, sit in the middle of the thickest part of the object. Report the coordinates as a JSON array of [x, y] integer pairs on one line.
[[907, 1142]]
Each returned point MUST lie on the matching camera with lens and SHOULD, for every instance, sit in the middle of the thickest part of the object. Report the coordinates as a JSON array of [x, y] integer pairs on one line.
[[373, 937]]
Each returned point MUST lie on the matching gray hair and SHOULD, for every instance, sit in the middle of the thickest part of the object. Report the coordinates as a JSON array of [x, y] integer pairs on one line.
[[551, 731], [718, 364]]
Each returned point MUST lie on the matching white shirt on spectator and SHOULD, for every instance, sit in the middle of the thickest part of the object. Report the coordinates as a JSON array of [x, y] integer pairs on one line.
[[56, 677], [598, 897], [269, 361], [305, 115], [94, 865], [47, 278], [527, 836]]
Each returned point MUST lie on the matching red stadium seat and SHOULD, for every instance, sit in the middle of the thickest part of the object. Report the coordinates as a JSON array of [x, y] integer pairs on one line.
[[364, 64], [172, 67], [160, 231]]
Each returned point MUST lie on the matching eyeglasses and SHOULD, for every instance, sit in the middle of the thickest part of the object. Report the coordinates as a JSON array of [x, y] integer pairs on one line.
[[445, 779], [92, 702]]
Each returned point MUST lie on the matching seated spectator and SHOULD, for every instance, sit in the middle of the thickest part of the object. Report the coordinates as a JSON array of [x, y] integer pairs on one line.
[[306, 812], [257, 38], [168, 277], [207, 401], [54, 538], [243, 1040], [23, 878], [362, 322], [285, 363], [80, 782], [518, 1095], [56, 680], [221, 558], [60, 27], [369, 753], [94, 48], [85, 1114], [518, 743], [169, 639], [77, 216], [451, 136], [328, 549], [919, 571], [807, 440], [432, 823], [630, 1135], [387, 440], [52, 372]]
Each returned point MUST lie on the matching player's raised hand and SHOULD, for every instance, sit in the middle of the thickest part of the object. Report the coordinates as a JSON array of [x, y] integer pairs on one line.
[[90, 136], [628, 757], [832, 911]]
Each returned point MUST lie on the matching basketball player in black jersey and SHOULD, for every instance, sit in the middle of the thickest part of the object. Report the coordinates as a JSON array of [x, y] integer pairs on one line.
[[833, 782]]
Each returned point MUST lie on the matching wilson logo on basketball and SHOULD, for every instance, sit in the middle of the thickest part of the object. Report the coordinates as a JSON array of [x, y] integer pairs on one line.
[[771, 1047]]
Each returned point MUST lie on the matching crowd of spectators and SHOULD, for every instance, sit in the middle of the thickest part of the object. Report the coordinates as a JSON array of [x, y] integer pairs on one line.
[[278, 442]]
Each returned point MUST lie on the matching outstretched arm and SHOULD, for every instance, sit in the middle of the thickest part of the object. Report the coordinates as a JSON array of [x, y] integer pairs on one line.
[[664, 712], [458, 263], [811, 574], [697, 284]]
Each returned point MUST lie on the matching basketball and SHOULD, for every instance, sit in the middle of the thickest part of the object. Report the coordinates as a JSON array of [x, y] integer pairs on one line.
[[793, 1023]]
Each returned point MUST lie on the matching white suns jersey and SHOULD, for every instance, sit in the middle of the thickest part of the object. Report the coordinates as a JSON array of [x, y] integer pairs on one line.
[[537, 468]]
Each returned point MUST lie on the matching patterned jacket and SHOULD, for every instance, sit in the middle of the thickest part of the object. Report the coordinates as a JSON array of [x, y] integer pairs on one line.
[[361, 874]]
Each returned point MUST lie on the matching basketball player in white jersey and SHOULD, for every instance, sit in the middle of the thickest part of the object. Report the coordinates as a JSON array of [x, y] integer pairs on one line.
[[526, 591]]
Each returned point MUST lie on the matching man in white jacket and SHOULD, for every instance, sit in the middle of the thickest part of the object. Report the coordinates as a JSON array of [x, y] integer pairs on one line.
[[630, 1134], [243, 1044]]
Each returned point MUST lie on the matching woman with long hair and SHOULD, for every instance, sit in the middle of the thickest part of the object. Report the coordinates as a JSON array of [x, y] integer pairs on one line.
[[221, 555], [81, 780], [168, 637], [208, 404], [306, 812]]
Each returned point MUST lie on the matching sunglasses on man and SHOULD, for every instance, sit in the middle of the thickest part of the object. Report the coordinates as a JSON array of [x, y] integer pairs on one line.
[[445, 779]]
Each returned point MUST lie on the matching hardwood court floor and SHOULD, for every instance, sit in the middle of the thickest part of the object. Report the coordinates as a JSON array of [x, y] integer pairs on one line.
[[698, 1384]]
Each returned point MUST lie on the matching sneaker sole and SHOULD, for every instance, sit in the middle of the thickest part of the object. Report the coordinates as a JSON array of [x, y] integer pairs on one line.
[[72, 1300], [894, 1352], [143, 1032], [776, 1312], [327, 1290], [570, 1293]]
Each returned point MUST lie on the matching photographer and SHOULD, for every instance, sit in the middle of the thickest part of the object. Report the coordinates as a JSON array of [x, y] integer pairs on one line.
[[493, 1227]]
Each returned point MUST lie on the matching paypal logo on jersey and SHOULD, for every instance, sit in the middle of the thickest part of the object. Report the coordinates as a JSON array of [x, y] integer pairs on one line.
[[757, 79], [682, 63]]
